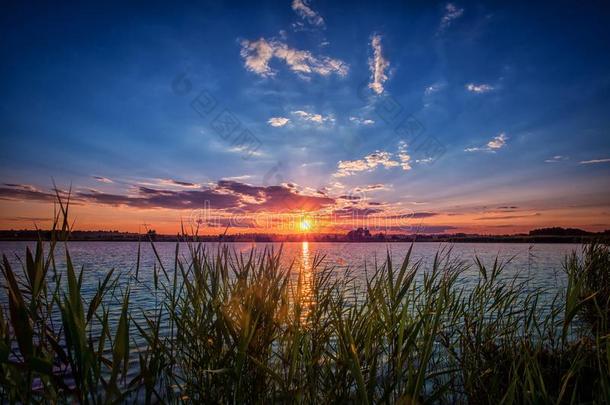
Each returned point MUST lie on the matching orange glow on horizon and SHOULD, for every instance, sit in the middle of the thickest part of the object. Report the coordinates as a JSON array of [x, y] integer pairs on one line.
[[92, 217]]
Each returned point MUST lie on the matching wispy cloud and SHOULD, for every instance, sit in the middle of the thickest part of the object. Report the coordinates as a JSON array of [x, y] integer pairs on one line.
[[24, 192], [258, 54], [452, 12], [304, 10], [556, 159], [479, 88], [238, 178], [28, 219], [372, 187], [377, 65], [433, 88], [361, 121], [102, 179], [313, 117], [594, 161], [537, 214], [177, 183], [497, 142], [278, 121], [368, 163], [403, 156], [246, 150]]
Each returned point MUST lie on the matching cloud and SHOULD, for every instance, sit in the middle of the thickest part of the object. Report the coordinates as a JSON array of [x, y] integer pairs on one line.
[[497, 142], [258, 54], [232, 222], [350, 197], [246, 150], [433, 88], [355, 212], [277, 198], [313, 117], [368, 163], [361, 121], [228, 195], [302, 8], [24, 192], [556, 159], [145, 197], [102, 179], [28, 219], [404, 157], [594, 161], [278, 121], [242, 177], [452, 12], [372, 161], [479, 88], [537, 214], [371, 187], [415, 215], [377, 65], [177, 183]]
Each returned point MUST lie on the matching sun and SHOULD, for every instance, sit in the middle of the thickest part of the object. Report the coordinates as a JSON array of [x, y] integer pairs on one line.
[[305, 225]]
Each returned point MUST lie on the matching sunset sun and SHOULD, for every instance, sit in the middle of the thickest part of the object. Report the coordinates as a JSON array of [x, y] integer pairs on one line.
[[305, 225]]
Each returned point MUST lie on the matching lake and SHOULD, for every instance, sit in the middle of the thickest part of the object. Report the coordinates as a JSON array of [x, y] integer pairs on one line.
[[541, 262]]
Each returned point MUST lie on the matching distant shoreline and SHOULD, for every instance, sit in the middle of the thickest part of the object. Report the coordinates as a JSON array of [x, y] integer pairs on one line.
[[554, 239], [359, 235]]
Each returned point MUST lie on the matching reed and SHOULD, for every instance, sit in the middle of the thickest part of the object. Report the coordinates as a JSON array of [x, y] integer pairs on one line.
[[243, 328]]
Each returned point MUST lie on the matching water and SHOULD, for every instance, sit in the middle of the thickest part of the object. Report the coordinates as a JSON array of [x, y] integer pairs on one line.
[[540, 263]]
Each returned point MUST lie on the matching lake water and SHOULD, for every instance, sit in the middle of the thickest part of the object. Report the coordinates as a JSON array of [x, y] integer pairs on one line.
[[542, 263]]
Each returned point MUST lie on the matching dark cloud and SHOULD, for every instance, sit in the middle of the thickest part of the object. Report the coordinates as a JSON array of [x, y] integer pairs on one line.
[[370, 187], [507, 217], [102, 179], [282, 199], [28, 219], [241, 188], [227, 195], [349, 212], [237, 222], [182, 183], [24, 192], [146, 197], [413, 215]]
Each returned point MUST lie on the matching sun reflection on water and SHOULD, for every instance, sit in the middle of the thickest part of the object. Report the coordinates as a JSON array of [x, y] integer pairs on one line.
[[305, 254], [305, 292]]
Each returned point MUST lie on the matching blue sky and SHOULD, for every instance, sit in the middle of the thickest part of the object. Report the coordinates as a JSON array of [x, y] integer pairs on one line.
[[516, 96]]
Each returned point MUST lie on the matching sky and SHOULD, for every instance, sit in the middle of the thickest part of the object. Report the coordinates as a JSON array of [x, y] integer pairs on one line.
[[409, 116]]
